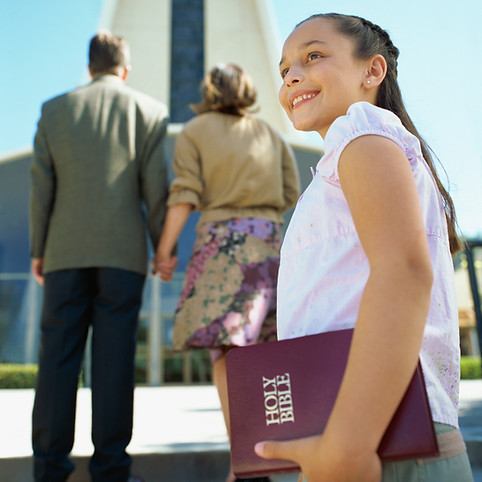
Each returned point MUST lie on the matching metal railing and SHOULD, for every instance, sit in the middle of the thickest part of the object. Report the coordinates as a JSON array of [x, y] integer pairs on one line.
[[470, 247]]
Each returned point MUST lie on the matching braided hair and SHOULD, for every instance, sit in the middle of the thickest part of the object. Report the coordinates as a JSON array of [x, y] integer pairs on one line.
[[369, 39]]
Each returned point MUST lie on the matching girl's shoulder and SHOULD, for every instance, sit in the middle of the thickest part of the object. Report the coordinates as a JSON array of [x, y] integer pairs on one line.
[[363, 118]]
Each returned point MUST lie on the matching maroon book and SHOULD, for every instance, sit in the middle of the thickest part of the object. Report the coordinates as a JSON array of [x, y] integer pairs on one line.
[[286, 389]]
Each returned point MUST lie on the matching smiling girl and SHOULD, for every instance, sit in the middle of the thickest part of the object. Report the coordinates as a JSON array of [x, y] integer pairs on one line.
[[369, 246]]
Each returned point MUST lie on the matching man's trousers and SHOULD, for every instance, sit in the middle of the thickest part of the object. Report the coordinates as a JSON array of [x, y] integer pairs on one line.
[[109, 300]]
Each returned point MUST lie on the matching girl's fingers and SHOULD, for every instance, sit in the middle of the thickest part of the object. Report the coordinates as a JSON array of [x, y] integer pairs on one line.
[[287, 450]]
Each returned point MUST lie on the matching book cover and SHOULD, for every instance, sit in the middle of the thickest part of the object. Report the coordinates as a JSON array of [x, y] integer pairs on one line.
[[286, 389]]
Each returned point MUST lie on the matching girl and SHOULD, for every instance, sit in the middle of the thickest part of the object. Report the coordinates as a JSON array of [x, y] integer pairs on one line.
[[241, 175], [369, 246]]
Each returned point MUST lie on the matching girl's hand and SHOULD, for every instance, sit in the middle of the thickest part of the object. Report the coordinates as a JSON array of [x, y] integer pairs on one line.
[[320, 463]]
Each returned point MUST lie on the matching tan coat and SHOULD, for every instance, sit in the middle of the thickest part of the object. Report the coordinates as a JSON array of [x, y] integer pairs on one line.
[[229, 166], [98, 155]]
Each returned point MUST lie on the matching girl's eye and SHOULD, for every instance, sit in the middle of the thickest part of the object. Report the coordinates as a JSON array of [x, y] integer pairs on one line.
[[283, 72], [314, 55]]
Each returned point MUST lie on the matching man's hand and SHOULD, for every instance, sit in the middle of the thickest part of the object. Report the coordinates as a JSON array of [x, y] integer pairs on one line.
[[38, 270]]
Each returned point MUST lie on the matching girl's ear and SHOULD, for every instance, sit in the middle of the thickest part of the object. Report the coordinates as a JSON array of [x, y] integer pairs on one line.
[[376, 71]]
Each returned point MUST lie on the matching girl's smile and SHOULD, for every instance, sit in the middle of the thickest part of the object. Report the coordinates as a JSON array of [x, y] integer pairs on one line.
[[298, 98]]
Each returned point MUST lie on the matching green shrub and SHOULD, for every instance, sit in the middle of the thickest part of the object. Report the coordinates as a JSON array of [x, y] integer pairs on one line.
[[470, 367], [24, 376], [17, 376]]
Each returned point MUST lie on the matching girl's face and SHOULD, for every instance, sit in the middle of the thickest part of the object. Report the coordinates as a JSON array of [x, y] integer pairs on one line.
[[321, 76]]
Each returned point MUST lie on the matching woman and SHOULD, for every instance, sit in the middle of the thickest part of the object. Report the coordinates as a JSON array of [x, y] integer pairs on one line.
[[236, 170]]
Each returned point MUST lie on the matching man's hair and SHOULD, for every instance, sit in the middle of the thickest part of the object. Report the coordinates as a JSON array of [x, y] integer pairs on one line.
[[108, 53]]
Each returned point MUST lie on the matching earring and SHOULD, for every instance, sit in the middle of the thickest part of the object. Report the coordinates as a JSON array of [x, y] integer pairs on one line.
[[368, 82]]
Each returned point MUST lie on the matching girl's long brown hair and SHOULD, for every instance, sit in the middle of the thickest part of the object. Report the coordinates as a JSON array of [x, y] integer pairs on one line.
[[370, 39]]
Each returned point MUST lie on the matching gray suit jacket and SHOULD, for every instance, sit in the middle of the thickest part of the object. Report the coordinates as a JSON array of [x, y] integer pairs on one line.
[[98, 171]]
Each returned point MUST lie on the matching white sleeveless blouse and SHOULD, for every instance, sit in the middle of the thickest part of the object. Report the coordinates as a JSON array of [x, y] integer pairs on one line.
[[324, 269]]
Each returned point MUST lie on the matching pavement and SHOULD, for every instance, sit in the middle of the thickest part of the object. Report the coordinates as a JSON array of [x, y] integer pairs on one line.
[[179, 434]]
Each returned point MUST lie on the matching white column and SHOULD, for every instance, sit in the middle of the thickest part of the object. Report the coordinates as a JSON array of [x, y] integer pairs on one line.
[[33, 315], [155, 366]]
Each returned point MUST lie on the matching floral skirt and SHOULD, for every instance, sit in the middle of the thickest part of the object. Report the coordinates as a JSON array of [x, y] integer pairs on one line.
[[229, 293]]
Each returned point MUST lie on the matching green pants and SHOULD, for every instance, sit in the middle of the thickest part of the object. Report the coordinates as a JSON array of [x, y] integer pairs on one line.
[[447, 468]]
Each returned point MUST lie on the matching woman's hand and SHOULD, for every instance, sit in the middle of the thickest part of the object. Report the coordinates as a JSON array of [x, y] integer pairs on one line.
[[321, 462]]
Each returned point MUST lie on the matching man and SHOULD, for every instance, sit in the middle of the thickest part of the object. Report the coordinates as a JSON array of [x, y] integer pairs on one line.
[[98, 166]]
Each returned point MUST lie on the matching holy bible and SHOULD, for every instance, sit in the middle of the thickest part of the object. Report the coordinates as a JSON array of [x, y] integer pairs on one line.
[[286, 389]]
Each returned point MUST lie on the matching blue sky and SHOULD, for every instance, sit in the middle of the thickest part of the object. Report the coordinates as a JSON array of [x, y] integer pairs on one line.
[[44, 52]]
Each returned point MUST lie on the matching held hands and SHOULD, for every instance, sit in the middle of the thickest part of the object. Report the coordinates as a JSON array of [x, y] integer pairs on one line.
[[165, 263], [165, 266], [320, 462]]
